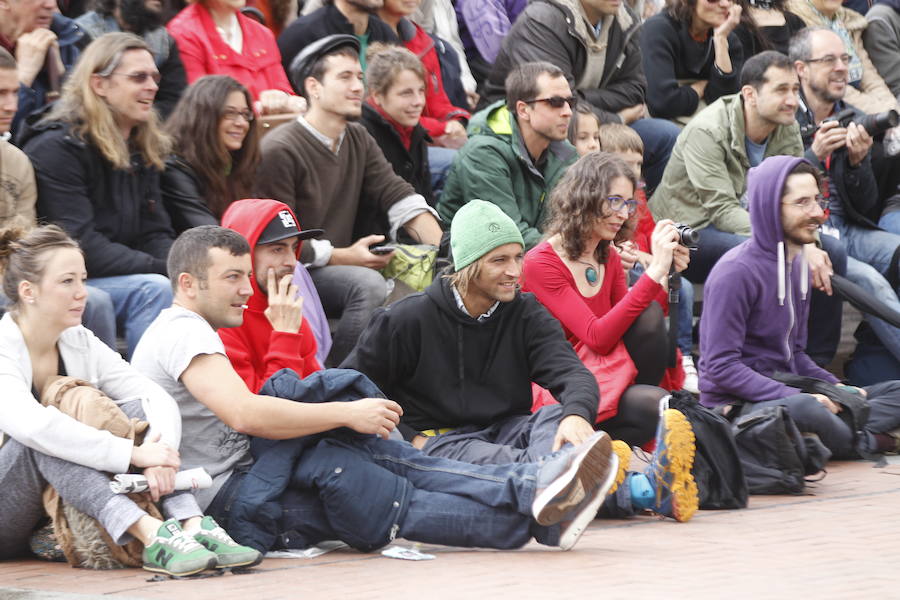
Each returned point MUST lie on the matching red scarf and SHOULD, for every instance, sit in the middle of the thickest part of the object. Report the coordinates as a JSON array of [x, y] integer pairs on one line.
[[405, 133]]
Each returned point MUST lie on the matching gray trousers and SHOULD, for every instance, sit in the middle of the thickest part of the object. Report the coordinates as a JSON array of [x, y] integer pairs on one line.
[[523, 438], [812, 417], [24, 473]]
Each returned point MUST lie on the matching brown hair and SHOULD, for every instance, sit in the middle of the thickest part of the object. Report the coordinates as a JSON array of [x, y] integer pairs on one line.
[[579, 200], [194, 125], [384, 62], [91, 118], [580, 109], [522, 82], [23, 254], [616, 137]]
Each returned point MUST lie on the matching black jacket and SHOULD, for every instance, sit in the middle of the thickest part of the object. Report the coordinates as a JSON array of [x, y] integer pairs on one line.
[[325, 21], [447, 370], [856, 186], [670, 54], [546, 31], [116, 216], [184, 197], [412, 164]]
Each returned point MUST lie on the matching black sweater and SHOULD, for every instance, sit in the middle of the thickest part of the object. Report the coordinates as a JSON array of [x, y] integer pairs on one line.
[[115, 215], [670, 54], [447, 370]]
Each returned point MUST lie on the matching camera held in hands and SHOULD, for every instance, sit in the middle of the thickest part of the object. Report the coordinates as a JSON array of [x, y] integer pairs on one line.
[[687, 237], [873, 124]]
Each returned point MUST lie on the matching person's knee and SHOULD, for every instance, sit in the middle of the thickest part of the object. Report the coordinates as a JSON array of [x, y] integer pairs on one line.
[[651, 322], [367, 288], [156, 287]]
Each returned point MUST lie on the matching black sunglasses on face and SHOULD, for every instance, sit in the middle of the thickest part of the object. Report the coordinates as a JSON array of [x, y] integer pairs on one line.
[[556, 101]]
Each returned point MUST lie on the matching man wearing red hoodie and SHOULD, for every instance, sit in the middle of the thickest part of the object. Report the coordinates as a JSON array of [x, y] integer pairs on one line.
[[274, 334]]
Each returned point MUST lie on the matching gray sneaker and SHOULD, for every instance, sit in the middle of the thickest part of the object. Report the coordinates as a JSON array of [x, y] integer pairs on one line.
[[573, 479]]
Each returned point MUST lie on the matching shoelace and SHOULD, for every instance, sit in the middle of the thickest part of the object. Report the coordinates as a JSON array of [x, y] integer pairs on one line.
[[182, 542], [221, 535]]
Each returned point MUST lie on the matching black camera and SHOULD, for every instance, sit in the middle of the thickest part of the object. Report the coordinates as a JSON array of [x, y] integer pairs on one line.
[[687, 237], [873, 124]]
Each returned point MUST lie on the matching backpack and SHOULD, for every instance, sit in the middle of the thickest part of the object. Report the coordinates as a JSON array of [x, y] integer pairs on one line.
[[451, 72], [717, 466], [776, 458]]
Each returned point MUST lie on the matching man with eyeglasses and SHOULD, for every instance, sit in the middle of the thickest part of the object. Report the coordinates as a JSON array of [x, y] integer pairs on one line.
[[706, 179], [517, 150], [596, 44], [97, 157], [755, 304], [844, 155]]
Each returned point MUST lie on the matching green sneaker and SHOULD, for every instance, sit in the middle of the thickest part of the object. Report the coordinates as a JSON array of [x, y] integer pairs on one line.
[[175, 553], [228, 552]]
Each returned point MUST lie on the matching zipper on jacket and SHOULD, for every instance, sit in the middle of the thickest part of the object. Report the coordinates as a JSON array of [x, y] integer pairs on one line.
[[790, 303]]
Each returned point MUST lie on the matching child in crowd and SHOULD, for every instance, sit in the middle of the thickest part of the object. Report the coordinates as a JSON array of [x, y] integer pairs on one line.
[[624, 142]]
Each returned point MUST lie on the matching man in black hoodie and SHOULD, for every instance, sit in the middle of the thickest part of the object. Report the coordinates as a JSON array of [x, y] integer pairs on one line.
[[460, 358]]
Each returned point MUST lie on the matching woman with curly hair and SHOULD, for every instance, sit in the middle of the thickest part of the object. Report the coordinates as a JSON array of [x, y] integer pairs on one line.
[[217, 136], [618, 333]]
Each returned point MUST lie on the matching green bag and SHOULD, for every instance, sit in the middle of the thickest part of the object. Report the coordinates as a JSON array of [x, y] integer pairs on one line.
[[413, 264]]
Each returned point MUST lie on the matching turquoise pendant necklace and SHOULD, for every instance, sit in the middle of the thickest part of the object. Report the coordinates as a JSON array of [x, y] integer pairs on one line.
[[590, 274]]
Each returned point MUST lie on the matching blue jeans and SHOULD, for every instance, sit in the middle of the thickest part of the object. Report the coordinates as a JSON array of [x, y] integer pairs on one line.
[[871, 246], [137, 300], [890, 222], [659, 137], [440, 160], [367, 491], [868, 277]]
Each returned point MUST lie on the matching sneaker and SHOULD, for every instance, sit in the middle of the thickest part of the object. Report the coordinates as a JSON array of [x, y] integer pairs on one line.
[[228, 552], [669, 471], [623, 451], [573, 475], [691, 382], [173, 552]]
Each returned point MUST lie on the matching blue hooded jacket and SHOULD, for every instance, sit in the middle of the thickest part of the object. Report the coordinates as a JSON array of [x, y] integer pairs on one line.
[[756, 305]]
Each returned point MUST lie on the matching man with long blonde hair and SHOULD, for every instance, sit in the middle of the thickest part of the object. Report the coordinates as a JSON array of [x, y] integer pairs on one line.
[[97, 156]]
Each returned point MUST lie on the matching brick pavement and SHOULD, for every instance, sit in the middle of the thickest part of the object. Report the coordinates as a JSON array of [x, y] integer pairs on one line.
[[839, 542]]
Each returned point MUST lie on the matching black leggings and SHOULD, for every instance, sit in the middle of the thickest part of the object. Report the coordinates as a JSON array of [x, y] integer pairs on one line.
[[638, 413]]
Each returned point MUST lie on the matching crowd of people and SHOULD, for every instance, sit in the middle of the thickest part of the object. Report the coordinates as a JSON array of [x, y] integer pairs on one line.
[[206, 206]]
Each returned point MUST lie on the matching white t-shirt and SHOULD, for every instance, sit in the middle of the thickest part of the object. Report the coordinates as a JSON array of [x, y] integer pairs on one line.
[[164, 352]]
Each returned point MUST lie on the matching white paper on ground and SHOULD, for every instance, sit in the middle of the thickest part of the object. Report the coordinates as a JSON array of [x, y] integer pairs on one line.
[[192, 479], [314, 551], [406, 553]]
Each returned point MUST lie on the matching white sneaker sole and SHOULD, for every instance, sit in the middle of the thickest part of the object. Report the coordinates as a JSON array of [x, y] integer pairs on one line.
[[593, 467]]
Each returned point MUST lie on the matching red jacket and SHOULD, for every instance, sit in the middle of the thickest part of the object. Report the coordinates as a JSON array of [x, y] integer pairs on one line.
[[438, 108], [255, 350], [204, 52]]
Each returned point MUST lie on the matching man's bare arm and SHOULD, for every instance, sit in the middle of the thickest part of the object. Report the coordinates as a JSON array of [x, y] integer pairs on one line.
[[214, 383]]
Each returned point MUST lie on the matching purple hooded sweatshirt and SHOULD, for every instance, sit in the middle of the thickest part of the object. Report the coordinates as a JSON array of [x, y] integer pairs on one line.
[[751, 325]]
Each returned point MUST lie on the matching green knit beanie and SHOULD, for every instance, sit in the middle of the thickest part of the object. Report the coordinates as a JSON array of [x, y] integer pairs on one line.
[[478, 228]]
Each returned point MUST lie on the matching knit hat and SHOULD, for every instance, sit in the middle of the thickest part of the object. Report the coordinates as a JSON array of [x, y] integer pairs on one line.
[[478, 228]]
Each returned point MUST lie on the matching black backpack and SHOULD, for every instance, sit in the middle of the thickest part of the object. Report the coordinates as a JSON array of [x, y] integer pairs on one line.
[[776, 458], [717, 466]]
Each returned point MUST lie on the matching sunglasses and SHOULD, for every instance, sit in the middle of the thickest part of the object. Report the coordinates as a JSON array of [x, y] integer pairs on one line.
[[141, 76], [556, 101]]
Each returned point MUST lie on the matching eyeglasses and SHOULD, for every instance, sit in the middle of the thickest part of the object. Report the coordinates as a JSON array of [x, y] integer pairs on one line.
[[141, 76], [829, 60], [556, 101], [617, 202], [809, 203], [232, 114]]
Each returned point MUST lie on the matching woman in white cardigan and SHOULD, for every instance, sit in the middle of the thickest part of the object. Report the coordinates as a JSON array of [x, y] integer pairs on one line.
[[41, 337]]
